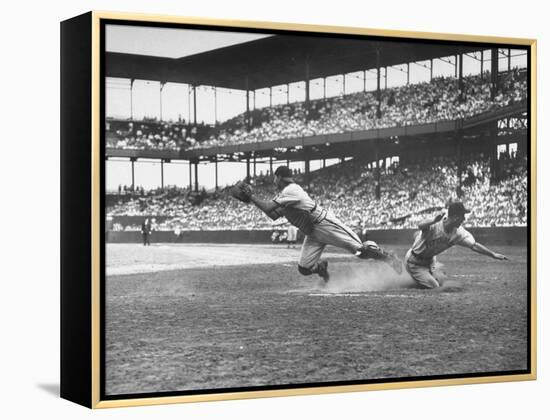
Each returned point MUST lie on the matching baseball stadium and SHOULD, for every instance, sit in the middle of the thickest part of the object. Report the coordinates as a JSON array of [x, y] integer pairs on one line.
[[203, 292]]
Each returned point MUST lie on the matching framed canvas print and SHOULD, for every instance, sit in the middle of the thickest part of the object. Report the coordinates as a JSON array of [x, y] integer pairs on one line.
[[254, 209]]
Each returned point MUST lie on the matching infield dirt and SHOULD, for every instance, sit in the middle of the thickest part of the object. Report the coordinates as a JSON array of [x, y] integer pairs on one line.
[[203, 317]]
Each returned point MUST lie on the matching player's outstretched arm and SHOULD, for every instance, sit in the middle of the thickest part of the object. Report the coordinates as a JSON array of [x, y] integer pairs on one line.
[[267, 206], [425, 224], [245, 193], [482, 249]]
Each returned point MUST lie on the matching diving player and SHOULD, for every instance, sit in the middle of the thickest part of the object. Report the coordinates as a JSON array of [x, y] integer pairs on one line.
[[320, 227], [435, 236]]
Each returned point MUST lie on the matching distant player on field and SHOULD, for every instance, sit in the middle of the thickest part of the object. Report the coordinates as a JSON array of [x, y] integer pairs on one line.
[[291, 236], [146, 232], [320, 227], [435, 236]]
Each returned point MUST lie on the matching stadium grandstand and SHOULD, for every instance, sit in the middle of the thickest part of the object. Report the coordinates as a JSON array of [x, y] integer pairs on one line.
[[383, 152]]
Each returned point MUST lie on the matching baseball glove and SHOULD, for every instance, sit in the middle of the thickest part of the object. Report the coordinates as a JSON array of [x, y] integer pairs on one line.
[[241, 191]]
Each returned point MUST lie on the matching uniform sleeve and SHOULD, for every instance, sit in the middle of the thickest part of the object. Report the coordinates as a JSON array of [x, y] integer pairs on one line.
[[464, 238], [287, 197], [276, 213]]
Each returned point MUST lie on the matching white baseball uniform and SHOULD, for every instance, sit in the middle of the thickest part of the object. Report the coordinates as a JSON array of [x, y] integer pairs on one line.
[[328, 230], [434, 240], [291, 233]]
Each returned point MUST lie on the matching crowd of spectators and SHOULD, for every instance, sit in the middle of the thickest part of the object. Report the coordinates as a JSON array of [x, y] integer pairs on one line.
[[502, 203], [408, 194], [153, 134], [412, 104]]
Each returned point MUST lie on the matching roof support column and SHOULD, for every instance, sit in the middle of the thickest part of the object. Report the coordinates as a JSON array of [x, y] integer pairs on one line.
[[306, 169], [408, 73], [494, 72], [216, 171], [254, 167], [190, 175], [431, 69], [248, 168], [215, 106], [493, 144], [324, 88], [162, 174], [456, 66], [509, 59], [343, 84], [377, 170], [307, 89], [385, 77], [271, 165], [189, 87], [481, 70], [160, 99], [458, 142], [194, 104], [132, 98], [365, 81], [270, 97], [132, 160], [247, 105], [460, 78], [197, 176], [378, 95]]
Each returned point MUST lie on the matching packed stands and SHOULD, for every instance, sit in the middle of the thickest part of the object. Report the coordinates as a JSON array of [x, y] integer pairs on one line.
[[408, 195], [405, 105], [152, 134]]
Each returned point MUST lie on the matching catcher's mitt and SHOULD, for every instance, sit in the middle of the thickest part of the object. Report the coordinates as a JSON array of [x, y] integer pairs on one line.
[[241, 191]]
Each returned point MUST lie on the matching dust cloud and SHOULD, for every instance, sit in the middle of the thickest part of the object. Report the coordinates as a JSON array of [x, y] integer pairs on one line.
[[366, 276], [375, 276]]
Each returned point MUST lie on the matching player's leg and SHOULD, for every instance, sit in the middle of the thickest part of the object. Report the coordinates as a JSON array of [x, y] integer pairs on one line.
[[371, 250], [310, 261], [436, 270], [333, 232], [422, 275]]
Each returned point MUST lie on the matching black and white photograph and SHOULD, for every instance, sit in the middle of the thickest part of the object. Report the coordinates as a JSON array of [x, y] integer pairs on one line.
[[287, 209]]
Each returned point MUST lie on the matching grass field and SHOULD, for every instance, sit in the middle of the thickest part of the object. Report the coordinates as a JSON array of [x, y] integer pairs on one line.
[[190, 317]]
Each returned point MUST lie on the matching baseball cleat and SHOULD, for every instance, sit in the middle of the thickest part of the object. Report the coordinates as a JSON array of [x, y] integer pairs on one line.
[[322, 270], [370, 249]]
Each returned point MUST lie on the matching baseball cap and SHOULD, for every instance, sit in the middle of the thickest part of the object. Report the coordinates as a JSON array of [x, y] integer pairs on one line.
[[457, 209], [284, 172]]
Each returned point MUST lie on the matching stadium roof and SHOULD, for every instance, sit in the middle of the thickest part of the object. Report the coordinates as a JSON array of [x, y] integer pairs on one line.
[[277, 60]]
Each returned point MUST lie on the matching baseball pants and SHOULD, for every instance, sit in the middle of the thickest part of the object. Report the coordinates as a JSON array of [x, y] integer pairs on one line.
[[422, 274], [329, 231]]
